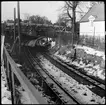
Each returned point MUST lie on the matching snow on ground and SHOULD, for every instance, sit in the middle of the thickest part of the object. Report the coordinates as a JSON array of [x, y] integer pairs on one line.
[[92, 51], [24, 97], [81, 92], [5, 94], [96, 69]]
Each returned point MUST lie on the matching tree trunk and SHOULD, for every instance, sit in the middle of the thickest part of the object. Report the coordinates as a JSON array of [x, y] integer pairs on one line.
[[73, 21]]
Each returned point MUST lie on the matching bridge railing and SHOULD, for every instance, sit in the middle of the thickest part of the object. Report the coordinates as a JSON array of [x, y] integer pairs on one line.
[[13, 71]]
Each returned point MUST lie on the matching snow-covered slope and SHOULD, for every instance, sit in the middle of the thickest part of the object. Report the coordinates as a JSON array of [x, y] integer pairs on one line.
[[92, 51], [91, 60]]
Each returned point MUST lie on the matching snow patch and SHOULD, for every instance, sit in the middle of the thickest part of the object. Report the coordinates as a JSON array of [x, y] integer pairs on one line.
[[92, 51], [5, 94], [25, 99]]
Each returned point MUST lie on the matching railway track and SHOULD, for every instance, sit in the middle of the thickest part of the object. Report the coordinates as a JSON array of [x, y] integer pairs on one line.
[[80, 78], [37, 69], [62, 95], [98, 89], [100, 81], [81, 70]]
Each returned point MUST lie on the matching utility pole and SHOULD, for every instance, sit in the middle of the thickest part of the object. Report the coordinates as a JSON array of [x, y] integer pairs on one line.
[[12, 74], [14, 23], [19, 35], [14, 30]]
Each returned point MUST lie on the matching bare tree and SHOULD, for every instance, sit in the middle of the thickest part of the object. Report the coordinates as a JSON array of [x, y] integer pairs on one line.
[[72, 8], [62, 21], [39, 20]]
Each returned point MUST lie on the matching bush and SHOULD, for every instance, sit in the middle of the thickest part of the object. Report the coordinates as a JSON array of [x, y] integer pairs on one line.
[[71, 55], [62, 51], [88, 58]]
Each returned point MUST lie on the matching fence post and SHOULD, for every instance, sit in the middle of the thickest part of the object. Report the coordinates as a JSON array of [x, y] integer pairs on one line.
[[59, 40], [13, 87], [94, 38], [2, 46], [10, 80], [7, 67]]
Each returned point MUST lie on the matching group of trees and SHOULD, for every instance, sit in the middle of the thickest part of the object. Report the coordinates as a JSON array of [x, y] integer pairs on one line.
[[32, 19], [38, 20]]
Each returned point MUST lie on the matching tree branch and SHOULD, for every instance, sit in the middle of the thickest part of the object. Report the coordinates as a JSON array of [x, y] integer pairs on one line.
[[69, 14], [76, 3], [69, 4], [80, 12]]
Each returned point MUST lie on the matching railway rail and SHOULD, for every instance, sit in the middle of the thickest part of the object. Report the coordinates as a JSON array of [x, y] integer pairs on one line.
[[80, 78], [99, 88], [38, 71], [81, 70], [64, 96]]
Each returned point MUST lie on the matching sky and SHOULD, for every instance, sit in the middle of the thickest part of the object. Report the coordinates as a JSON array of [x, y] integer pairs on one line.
[[50, 9]]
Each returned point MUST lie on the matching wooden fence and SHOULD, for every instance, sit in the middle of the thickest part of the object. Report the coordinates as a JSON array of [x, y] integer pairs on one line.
[[65, 38], [96, 42]]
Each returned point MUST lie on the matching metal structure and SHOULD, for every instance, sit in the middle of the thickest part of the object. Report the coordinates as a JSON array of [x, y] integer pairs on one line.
[[11, 71]]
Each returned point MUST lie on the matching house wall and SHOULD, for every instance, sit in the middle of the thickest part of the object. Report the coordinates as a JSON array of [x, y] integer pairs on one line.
[[98, 28]]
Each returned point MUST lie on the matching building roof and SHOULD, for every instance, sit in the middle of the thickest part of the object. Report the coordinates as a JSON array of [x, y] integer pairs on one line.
[[97, 11]]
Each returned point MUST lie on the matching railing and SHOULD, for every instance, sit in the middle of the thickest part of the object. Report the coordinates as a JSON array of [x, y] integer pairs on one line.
[[13, 71], [96, 42]]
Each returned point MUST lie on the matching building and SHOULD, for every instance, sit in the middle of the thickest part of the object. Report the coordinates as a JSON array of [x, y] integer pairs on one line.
[[93, 22]]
